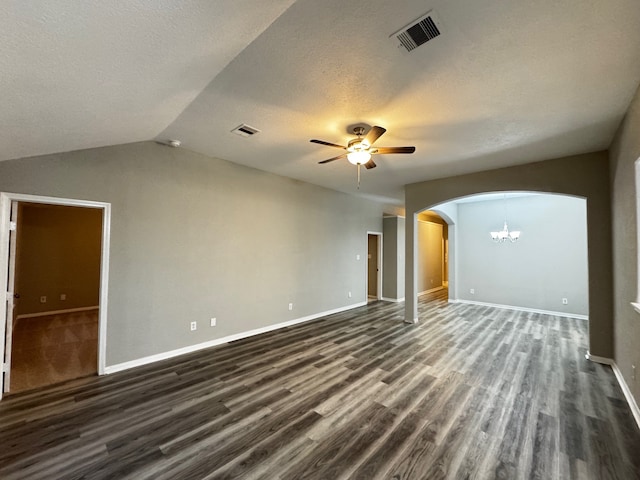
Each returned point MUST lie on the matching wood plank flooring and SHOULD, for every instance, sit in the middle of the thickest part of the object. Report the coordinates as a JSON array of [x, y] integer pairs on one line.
[[470, 392]]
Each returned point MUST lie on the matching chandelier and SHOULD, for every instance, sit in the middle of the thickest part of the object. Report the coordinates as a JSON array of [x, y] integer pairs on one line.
[[504, 234]]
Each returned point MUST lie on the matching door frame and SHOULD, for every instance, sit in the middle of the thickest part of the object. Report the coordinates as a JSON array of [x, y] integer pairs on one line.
[[379, 275], [5, 213]]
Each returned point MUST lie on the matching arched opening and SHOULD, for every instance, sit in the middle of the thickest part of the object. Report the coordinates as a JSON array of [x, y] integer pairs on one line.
[[578, 176], [545, 271]]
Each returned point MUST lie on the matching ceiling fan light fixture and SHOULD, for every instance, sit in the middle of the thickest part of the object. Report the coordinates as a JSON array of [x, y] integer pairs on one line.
[[359, 157]]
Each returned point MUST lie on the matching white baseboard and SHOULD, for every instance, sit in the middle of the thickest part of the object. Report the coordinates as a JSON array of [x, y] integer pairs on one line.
[[633, 405], [396, 300], [627, 393], [219, 341], [597, 359], [431, 290], [56, 312], [522, 309]]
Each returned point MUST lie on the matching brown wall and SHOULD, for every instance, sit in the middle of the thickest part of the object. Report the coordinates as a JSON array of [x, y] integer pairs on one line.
[[584, 176], [58, 253]]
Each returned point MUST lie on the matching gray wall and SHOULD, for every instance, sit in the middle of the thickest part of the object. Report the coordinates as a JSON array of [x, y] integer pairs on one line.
[[624, 152], [194, 237], [584, 175], [393, 258], [548, 263]]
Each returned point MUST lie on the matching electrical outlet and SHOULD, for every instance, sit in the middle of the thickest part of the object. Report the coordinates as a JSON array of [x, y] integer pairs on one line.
[[291, 306], [194, 326], [349, 294], [43, 299], [213, 322], [633, 373], [472, 291], [358, 257], [63, 296], [565, 301]]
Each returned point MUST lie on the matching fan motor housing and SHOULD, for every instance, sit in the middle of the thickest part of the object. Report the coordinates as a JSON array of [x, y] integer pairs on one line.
[[356, 145]]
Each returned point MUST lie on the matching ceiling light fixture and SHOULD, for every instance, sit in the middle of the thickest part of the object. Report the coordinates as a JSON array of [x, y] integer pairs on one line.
[[359, 157], [359, 151], [504, 234]]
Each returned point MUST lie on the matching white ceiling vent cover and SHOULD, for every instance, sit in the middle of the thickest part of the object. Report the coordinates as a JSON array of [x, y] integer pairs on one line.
[[418, 32], [245, 130]]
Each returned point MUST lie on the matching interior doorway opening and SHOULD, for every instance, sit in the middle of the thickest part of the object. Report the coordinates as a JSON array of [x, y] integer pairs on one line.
[[374, 266], [432, 240], [55, 255]]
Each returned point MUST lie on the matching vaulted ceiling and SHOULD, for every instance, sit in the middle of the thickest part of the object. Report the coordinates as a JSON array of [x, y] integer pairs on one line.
[[506, 82]]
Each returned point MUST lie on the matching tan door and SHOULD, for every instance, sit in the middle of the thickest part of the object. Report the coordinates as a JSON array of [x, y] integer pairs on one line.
[[372, 266], [11, 296]]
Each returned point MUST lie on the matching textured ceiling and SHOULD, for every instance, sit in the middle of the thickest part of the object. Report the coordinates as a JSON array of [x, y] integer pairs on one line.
[[507, 82], [81, 74]]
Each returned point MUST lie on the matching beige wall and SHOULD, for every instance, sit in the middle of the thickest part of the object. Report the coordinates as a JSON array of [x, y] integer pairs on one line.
[[430, 255], [624, 153], [58, 253], [194, 237], [580, 175]]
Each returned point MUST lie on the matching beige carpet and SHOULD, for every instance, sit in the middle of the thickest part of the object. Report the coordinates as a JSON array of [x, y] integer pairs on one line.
[[52, 349]]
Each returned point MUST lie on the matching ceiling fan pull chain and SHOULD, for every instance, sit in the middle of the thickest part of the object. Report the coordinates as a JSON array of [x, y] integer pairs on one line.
[[358, 176]]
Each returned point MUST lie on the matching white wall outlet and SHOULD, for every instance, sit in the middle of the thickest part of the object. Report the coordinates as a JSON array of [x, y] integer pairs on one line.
[[472, 291], [291, 306], [194, 326], [633, 373], [43, 299], [349, 294], [358, 257], [213, 322], [565, 301], [63, 296]]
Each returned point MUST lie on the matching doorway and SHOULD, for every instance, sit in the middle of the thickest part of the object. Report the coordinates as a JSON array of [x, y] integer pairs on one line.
[[374, 266], [432, 242], [55, 253]]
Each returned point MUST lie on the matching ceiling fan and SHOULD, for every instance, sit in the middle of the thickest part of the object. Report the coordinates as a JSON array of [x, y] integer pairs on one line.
[[359, 150]]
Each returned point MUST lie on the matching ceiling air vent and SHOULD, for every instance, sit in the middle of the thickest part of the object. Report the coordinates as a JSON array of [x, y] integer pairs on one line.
[[245, 130], [418, 32]]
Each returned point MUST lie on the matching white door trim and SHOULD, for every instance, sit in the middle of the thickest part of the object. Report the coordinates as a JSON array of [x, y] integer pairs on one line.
[[379, 273], [5, 209]]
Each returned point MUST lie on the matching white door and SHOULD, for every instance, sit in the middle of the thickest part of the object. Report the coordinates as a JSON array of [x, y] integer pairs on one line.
[[11, 295]]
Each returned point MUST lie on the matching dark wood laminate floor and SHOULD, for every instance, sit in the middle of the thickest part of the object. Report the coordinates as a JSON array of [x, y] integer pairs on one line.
[[470, 392]]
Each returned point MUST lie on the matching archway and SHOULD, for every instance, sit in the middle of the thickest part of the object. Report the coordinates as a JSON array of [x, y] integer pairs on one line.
[[579, 176]]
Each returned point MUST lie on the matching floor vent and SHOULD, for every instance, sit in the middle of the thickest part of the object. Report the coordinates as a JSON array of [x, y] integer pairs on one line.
[[245, 130], [418, 32]]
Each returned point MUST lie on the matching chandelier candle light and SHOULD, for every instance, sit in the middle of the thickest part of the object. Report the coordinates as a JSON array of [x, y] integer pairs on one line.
[[504, 234]]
